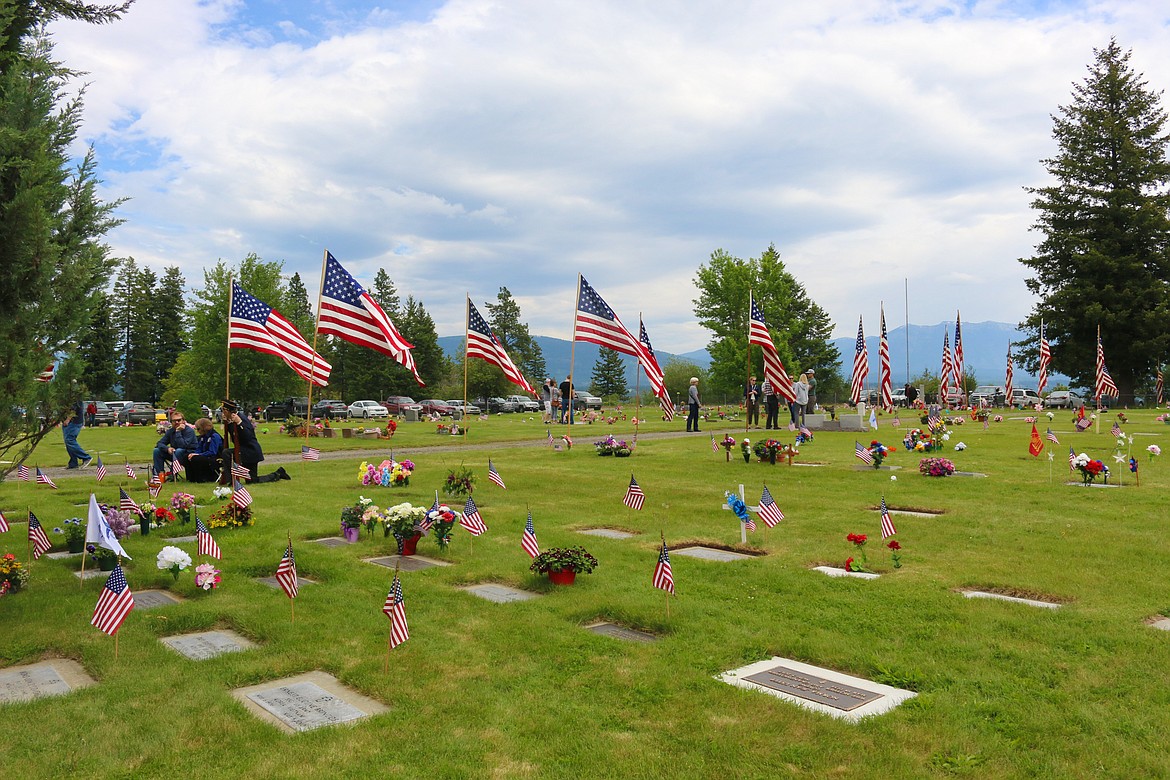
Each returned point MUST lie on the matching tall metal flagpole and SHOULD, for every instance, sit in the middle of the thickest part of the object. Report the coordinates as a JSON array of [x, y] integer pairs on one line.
[[313, 359], [466, 336], [638, 389], [227, 381], [906, 297], [573, 353], [747, 418]]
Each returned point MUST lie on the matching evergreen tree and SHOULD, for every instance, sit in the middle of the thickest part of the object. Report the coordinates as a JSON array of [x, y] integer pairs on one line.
[[504, 318], [98, 350], [609, 375], [299, 311], [168, 317], [418, 328], [140, 374], [1105, 257]]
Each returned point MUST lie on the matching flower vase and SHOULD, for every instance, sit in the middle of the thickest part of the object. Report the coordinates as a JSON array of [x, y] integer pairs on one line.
[[772, 458], [747, 457], [144, 525], [75, 545], [409, 545], [562, 577], [107, 564], [351, 534]]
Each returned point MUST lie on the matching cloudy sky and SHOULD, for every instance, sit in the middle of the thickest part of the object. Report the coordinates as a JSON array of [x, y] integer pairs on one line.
[[469, 144]]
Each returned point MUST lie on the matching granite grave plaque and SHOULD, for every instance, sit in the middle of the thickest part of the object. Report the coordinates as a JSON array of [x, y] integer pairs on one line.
[[501, 594], [607, 533], [712, 554], [835, 571], [817, 689], [53, 677], [207, 644], [407, 562], [149, 599], [331, 541], [621, 632], [1161, 622], [979, 594], [181, 539], [272, 583], [91, 574], [307, 701]]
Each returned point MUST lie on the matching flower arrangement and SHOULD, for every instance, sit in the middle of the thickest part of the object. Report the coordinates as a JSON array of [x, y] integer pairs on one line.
[[403, 520], [1154, 451], [880, 452], [351, 516], [119, 521], [956, 420], [936, 467], [1029, 419], [391, 427], [858, 541], [574, 559], [745, 448], [460, 482], [611, 446], [222, 492], [790, 451], [895, 553], [918, 440], [207, 576], [441, 520], [997, 418], [74, 532], [1051, 416], [767, 450], [101, 555], [13, 575], [960, 447], [1091, 469], [160, 516], [1122, 418], [173, 559], [182, 503], [231, 516], [802, 438]]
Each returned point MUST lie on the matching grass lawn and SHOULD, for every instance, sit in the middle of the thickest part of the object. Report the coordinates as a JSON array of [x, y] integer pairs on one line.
[[522, 690]]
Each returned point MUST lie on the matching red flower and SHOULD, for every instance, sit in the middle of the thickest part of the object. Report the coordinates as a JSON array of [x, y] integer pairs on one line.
[[848, 564], [856, 538], [893, 545], [873, 443]]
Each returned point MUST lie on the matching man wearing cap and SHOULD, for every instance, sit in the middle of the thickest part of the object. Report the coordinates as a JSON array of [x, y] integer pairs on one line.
[[241, 434], [812, 391], [751, 399]]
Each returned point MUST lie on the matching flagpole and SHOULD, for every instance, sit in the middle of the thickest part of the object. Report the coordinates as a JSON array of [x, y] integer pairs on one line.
[[227, 374], [747, 417], [466, 337], [390, 631], [906, 298], [313, 359], [119, 625], [665, 592], [638, 389], [742, 524], [573, 352], [81, 585], [292, 603], [1097, 380], [28, 540]]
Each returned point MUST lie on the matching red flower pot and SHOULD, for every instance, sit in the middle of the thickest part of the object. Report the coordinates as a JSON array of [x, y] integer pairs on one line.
[[409, 545], [562, 577]]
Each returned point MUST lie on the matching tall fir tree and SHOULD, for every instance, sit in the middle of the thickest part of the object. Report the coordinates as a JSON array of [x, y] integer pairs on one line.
[[99, 350], [418, 328], [168, 321], [1105, 256], [300, 311], [609, 375], [504, 318]]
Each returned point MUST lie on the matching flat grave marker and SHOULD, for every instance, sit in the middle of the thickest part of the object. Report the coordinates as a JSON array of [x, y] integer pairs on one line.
[[60, 556], [621, 632], [968, 474], [180, 539], [407, 562], [331, 541], [909, 512], [207, 644], [91, 574], [811, 465], [822, 690], [1091, 484], [500, 594], [981, 594], [608, 533], [1161, 622], [272, 583], [51, 677], [712, 554], [306, 702], [149, 599], [860, 467], [835, 571]]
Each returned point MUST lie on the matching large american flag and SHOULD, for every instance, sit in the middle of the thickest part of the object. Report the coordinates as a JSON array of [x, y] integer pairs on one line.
[[664, 396], [240, 495], [860, 365], [769, 511], [957, 361], [862, 454], [528, 540], [596, 323], [1104, 383], [310, 453], [944, 379], [114, 604], [482, 343], [634, 497], [773, 367], [888, 529], [1045, 359], [494, 476], [101, 469], [350, 313], [255, 325], [3, 523], [22, 472], [36, 535], [1007, 384], [205, 544], [396, 611], [1158, 387], [663, 575], [286, 573], [472, 521], [127, 504], [43, 478], [885, 384]]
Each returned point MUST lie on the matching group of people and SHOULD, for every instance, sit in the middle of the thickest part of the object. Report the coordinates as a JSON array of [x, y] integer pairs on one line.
[[202, 452], [805, 400], [557, 400]]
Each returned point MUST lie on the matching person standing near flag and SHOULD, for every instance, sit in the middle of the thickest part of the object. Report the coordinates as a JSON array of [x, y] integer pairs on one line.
[[800, 393], [751, 401], [70, 430], [771, 406], [567, 400], [242, 434], [693, 406]]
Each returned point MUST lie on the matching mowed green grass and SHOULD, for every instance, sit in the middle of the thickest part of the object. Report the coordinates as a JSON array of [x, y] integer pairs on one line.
[[521, 690]]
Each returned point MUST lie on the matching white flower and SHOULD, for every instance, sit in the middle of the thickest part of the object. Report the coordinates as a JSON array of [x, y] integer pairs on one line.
[[893, 478], [960, 447], [1120, 442], [1154, 449], [222, 492], [1050, 415], [170, 557], [946, 437], [1081, 460], [1093, 416]]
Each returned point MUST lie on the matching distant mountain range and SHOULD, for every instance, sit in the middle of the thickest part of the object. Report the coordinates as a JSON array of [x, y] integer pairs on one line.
[[984, 353]]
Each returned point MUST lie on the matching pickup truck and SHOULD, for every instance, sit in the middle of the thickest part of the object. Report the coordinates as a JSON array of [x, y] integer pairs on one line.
[[290, 407], [525, 403]]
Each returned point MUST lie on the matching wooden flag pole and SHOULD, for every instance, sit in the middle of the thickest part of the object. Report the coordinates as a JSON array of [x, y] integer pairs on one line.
[[390, 629], [637, 393], [747, 417], [665, 593], [28, 539], [119, 625], [742, 524], [466, 333], [81, 585], [292, 603]]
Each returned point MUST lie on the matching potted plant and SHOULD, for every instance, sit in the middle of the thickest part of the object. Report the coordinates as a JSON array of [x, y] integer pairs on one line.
[[183, 503], [13, 575], [563, 564], [351, 521], [106, 559], [74, 532], [404, 522]]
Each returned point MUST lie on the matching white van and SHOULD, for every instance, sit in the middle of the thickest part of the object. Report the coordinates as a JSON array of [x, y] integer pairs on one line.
[[1023, 397]]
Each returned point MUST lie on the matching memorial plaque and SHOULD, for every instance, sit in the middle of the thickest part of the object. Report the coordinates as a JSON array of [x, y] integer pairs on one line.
[[979, 594], [181, 539], [407, 562], [149, 599], [272, 583], [58, 556], [812, 688], [910, 512], [835, 571], [712, 554], [968, 474], [1161, 623], [621, 632], [811, 465], [48, 678], [207, 644], [305, 706], [608, 533], [331, 541], [91, 574], [860, 467], [500, 594]]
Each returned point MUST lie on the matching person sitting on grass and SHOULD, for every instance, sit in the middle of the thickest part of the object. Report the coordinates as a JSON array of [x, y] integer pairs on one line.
[[176, 444], [203, 465], [239, 431]]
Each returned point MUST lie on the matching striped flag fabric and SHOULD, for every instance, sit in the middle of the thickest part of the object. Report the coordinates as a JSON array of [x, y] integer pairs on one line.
[[101, 469], [634, 497], [483, 343], [240, 495], [888, 529], [47, 374], [933, 421], [154, 484], [1104, 384], [1045, 360], [22, 472], [1007, 384], [749, 523], [310, 453], [1115, 430], [240, 471], [1072, 456], [769, 511], [127, 504], [1051, 437], [860, 366], [597, 323], [114, 604], [885, 383], [528, 540], [897, 421], [773, 367], [350, 313], [3, 523], [36, 535], [714, 445], [205, 543], [176, 466], [1158, 386], [286, 573], [396, 611], [550, 436], [649, 363], [252, 324], [862, 453], [667, 405], [472, 521], [663, 575], [957, 360], [494, 476], [130, 472], [944, 380], [806, 433], [43, 479]]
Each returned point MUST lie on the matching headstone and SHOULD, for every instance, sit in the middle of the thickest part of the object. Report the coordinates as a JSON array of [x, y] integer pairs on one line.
[[149, 599], [272, 583], [979, 594], [307, 701], [331, 541], [91, 574], [712, 554], [58, 556], [347, 433], [181, 540], [52, 677], [831, 425], [501, 594], [834, 571], [852, 422], [407, 562], [822, 690], [207, 644], [328, 433], [814, 422], [608, 533], [621, 632], [412, 415]]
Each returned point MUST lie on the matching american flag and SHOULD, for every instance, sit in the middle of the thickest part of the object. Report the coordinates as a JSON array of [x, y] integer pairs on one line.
[[483, 343], [634, 497], [773, 367], [310, 453], [1007, 384], [22, 472], [714, 444], [43, 479], [46, 375], [550, 436], [1072, 456], [596, 323], [205, 543], [1104, 383], [528, 540], [1158, 387], [126, 504], [472, 521], [286, 573], [885, 383], [130, 472], [349, 312], [933, 421], [1115, 430], [651, 362], [769, 511], [176, 466], [888, 529], [663, 576], [896, 421], [255, 325], [36, 535], [1051, 437], [957, 361], [1082, 423], [1045, 359], [806, 433], [860, 366], [240, 495], [101, 469], [494, 476], [749, 523], [395, 610], [3, 523], [944, 380], [239, 471], [154, 484], [114, 604], [862, 454]]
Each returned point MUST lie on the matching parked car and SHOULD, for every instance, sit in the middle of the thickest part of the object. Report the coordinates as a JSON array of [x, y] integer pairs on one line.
[[586, 401], [525, 403], [987, 395], [457, 404], [496, 404], [295, 406], [398, 404], [140, 413], [366, 409], [1022, 397], [435, 406], [118, 406], [331, 410], [104, 416], [1063, 399]]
